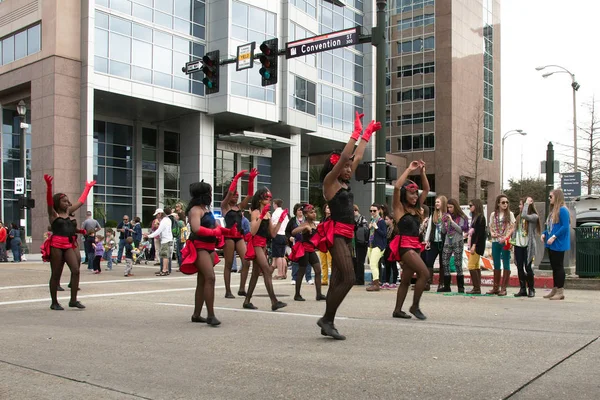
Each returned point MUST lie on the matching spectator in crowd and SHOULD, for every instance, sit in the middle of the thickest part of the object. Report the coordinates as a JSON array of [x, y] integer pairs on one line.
[[556, 237], [527, 226], [3, 237], [137, 231], [91, 226], [98, 253], [183, 235], [377, 245], [109, 246], [455, 225], [125, 229], [361, 244], [502, 223], [434, 241], [476, 243], [292, 224], [15, 242], [166, 239]]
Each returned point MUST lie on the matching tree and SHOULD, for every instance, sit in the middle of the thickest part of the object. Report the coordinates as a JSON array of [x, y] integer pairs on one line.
[[588, 150], [315, 189], [528, 187], [473, 156]]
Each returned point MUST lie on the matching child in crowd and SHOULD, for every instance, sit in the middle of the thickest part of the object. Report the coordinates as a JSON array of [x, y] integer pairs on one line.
[[109, 246], [128, 256], [98, 253]]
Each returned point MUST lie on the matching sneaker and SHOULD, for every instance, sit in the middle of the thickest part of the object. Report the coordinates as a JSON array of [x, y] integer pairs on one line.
[[393, 286], [385, 286], [311, 282], [293, 282]]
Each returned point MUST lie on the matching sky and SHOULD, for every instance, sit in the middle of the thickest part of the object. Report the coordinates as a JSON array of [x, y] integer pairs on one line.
[[537, 33]]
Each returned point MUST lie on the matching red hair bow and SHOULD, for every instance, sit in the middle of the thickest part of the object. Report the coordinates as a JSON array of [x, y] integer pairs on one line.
[[307, 207], [334, 158]]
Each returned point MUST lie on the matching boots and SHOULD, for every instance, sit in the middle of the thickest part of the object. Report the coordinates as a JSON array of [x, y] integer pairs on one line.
[[446, 288], [374, 287], [476, 280], [497, 274], [460, 282], [505, 279], [530, 286], [551, 294], [559, 295], [522, 291]]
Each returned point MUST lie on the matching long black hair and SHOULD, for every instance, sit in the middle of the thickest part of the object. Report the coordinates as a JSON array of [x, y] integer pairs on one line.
[[201, 193], [258, 196], [328, 165]]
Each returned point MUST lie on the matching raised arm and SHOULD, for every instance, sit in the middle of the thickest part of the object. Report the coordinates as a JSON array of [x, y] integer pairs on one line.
[[232, 189], [396, 203], [424, 183], [349, 148], [49, 199], [360, 151], [84, 195], [248, 198], [331, 184]]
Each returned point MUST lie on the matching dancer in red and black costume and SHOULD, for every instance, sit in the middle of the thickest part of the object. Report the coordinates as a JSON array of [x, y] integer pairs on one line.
[[198, 255], [303, 251], [233, 213], [407, 245], [261, 229], [336, 233], [60, 246]]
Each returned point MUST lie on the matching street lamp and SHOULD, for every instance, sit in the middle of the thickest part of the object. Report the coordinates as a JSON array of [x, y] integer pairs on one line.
[[504, 137], [575, 86], [22, 111]]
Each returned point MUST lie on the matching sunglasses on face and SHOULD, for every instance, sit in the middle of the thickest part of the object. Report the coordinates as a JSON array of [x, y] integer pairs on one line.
[[470, 205], [373, 210], [504, 202]]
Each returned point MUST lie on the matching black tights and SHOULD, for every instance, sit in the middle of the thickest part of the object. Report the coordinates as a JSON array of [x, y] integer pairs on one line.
[[411, 264], [342, 276], [58, 257], [260, 263], [205, 285], [228, 252], [557, 260], [312, 259]]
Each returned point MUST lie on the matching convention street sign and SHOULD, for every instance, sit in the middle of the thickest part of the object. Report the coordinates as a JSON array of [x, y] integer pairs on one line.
[[316, 44]]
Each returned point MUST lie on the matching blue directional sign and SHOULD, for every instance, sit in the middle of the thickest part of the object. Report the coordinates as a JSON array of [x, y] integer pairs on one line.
[[328, 41], [570, 184]]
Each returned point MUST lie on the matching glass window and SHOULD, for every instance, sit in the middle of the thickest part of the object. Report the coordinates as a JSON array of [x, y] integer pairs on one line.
[[123, 6], [141, 32], [163, 59], [142, 12], [164, 5], [183, 9], [120, 25], [101, 20], [163, 19], [120, 48], [142, 54], [8, 50], [163, 39], [101, 45]]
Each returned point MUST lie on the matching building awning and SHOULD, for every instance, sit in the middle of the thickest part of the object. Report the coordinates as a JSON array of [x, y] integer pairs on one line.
[[257, 139]]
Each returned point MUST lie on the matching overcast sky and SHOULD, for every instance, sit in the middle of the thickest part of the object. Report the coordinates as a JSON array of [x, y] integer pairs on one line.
[[537, 33]]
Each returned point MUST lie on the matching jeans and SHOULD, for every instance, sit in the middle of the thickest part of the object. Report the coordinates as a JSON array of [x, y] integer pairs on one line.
[[359, 266], [523, 267], [307, 275], [179, 248], [88, 248], [557, 259], [499, 254], [108, 256], [15, 246], [121, 248]]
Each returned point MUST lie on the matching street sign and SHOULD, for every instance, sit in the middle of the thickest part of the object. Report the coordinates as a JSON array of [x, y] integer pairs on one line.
[[245, 56], [570, 184], [543, 167], [316, 44], [192, 66], [19, 185]]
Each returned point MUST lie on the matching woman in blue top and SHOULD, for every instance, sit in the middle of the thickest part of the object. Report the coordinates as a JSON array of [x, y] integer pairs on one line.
[[15, 242], [557, 238]]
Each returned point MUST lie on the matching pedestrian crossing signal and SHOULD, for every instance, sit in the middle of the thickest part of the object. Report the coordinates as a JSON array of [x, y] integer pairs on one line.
[[210, 68], [268, 59]]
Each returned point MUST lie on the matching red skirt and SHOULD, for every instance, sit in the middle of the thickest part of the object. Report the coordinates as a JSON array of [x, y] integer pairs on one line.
[[323, 239], [59, 242], [189, 255], [403, 242], [300, 249], [255, 241]]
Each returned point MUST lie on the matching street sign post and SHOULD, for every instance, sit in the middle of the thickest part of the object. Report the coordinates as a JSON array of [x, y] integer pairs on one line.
[[19, 185], [245, 56], [192, 66], [316, 44], [571, 185]]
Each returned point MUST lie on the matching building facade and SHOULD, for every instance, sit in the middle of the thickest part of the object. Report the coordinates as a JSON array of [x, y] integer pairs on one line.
[[107, 100], [444, 93]]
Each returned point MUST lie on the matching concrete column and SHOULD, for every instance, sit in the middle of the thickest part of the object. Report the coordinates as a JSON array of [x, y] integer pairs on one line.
[[197, 151], [160, 162], [137, 169], [285, 173]]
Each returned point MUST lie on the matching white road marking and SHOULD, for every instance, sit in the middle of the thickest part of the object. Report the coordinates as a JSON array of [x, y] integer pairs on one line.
[[252, 311]]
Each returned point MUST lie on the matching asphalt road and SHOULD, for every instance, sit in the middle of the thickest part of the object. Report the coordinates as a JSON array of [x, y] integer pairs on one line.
[[135, 341]]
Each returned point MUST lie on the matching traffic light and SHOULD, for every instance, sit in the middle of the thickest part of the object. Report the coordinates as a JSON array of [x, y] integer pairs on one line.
[[268, 59], [210, 67], [26, 202]]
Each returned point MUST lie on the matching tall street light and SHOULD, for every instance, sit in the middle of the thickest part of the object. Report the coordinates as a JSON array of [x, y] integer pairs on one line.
[[506, 135], [575, 86], [22, 111]]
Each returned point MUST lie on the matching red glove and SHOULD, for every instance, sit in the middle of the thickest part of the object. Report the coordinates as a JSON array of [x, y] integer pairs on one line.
[[373, 127], [357, 126], [265, 211], [209, 232], [253, 175], [233, 186], [230, 231], [283, 215], [86, 191], [49, 199], [82, 231]]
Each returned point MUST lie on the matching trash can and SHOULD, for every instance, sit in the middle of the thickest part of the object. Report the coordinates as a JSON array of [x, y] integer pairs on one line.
[[587, 257]]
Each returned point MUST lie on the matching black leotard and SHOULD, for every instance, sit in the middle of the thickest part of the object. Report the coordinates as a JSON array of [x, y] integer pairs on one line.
[[342, 206], [409, 225], [63, 227], [233, 217], [207, 221], [263, 229]]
